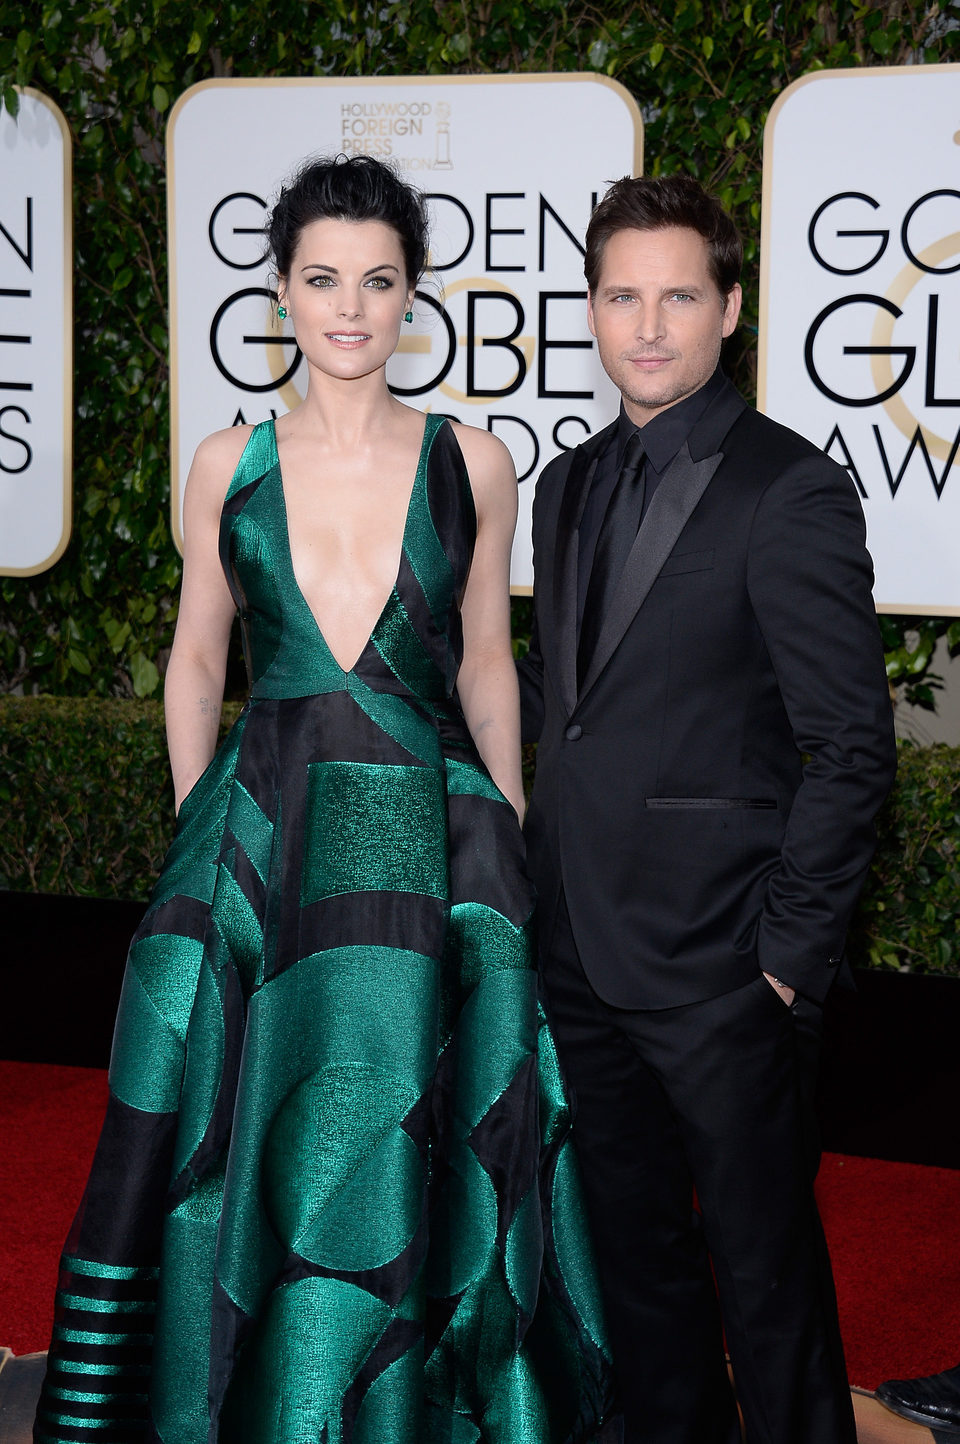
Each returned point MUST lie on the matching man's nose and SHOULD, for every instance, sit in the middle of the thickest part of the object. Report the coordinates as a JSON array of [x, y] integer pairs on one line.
[[649, 325]]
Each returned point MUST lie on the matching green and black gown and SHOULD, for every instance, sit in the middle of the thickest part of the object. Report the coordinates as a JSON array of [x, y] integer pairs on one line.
[[335, 1197]]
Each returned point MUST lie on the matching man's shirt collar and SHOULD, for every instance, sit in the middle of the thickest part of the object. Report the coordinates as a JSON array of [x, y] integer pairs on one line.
[[665, 434]]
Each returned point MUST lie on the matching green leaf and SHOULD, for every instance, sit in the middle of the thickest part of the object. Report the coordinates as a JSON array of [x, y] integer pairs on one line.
[[656, 53], [145, 676], [117, 633], [193, 45], [457, 47], [78, 662], [161, 99]]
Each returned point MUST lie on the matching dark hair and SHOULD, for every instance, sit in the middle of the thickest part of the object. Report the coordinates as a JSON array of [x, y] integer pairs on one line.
[[644, 204], [349, 188]]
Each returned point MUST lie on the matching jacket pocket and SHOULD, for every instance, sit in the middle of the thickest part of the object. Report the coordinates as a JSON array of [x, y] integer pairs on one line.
[[687, 562], [710, 803]]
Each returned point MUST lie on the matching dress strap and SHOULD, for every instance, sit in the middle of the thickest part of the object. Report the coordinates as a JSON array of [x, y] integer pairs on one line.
[[258, 456]]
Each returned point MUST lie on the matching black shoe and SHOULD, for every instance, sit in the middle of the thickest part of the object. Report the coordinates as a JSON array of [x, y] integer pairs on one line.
[[934, 1400]]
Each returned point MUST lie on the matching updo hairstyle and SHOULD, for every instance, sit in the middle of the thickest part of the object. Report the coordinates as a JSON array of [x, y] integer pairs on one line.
[[349, 188]]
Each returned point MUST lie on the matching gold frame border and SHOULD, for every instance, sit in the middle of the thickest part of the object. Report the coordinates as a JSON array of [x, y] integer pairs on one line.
[[891, 608], [67, 527], [256, 82]]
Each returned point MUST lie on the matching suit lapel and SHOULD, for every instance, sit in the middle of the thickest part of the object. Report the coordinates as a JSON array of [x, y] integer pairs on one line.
[[671, 508], [576, 489]]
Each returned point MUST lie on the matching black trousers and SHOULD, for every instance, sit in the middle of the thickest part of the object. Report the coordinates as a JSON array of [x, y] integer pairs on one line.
[[715, 1097]]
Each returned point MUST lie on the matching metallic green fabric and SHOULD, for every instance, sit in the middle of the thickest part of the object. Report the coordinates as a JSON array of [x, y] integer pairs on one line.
[[387, 836], [105, 1271], [463, 780], [334, 1201]]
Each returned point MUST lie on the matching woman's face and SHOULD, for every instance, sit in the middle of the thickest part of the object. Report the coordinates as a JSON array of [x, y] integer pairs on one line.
[[346, 294]]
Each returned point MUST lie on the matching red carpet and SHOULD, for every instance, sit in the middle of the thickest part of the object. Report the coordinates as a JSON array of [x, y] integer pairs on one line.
[[51, 1119], [892, 1229]]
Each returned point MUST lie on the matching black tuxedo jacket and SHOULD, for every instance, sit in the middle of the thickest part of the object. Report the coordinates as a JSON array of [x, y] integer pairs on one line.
[[706, 798]]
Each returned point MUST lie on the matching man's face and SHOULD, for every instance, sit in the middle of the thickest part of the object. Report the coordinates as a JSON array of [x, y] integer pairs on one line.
[[659, 317]]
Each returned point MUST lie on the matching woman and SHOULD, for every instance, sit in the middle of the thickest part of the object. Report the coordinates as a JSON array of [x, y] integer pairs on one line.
[[315, 1211]]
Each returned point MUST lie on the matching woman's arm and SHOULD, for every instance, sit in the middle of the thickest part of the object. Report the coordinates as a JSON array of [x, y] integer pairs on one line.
[[487, 683], [193, 686]]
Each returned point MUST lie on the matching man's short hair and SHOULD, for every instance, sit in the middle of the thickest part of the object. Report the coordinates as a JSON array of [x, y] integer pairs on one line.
[[643, 203]]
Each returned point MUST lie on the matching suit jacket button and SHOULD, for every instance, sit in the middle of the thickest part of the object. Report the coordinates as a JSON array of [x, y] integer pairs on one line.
[[574, 732]]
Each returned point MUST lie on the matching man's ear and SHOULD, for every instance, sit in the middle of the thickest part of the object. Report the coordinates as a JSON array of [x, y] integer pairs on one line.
[[731, 310], [590, 321]]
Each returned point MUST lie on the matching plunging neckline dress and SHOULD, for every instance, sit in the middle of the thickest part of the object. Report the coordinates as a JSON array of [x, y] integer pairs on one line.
[[335, 1199]]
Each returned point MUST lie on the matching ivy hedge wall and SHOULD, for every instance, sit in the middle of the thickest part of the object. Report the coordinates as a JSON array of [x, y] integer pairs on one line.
[[100, 622], [87, 781]]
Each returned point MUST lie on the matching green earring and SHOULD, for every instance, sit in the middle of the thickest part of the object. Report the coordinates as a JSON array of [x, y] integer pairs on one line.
[[282, 312], [408, 317]]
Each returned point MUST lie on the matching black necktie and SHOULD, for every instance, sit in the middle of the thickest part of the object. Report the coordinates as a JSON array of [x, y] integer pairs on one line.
[[618, 532]]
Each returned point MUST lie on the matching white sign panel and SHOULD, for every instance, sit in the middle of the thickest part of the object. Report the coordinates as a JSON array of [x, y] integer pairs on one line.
[[513, 167], [36, 327], [860, 306]]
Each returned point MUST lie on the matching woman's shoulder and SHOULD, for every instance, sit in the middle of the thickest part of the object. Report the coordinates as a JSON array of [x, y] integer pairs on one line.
[[490, 468], [215, 462], [489, 463], [224, 447], [217, 456]]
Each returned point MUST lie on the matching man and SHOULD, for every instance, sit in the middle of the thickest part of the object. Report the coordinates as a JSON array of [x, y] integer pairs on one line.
[[715, 737]]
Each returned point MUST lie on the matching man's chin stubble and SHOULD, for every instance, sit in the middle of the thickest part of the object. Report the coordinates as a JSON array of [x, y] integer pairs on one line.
[[654, 403]]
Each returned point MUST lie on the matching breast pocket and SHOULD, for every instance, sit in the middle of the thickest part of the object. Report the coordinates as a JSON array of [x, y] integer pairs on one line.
[[680, 562], [726, 836]]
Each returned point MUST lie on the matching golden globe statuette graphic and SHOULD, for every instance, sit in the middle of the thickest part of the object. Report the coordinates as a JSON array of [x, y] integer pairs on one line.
[[898, 294], [442, 159]]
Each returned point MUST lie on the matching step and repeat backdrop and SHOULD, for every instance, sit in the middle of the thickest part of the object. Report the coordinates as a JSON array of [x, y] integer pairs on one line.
[[860, 306], [860, 297], [36, 330]]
